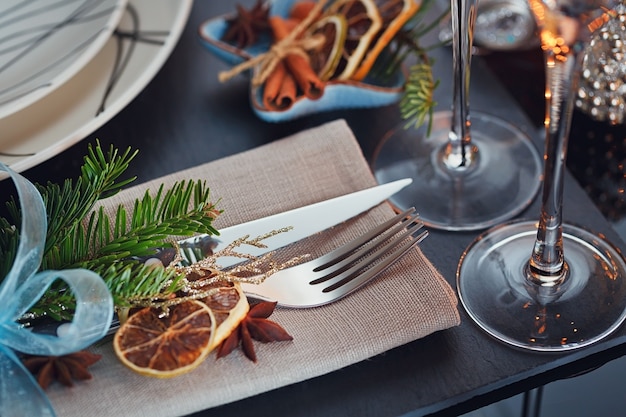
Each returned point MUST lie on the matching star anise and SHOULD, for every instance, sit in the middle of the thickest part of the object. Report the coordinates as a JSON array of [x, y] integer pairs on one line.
[[244, 28], [254, 326], [63, 369]]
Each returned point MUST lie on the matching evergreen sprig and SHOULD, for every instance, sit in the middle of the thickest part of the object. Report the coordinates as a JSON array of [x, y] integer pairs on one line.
[[154, 219], [82, 236], [417, 102], [8, 245], [68, 204]]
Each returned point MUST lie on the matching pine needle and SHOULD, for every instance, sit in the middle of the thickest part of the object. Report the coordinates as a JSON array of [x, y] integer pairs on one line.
[[417, 103], [81, 235]]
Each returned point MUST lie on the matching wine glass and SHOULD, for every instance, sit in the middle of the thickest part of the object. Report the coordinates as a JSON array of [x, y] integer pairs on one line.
[[462, 180], [546, 285]]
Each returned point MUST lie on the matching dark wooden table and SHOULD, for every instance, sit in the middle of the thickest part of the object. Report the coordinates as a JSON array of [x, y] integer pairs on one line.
[[185, 117]]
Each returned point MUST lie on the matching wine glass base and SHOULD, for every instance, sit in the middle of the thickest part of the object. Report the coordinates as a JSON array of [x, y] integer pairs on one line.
[[588, 306], [500, 185]]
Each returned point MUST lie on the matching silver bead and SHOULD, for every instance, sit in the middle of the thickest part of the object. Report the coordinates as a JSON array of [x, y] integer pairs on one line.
[[602, 89]]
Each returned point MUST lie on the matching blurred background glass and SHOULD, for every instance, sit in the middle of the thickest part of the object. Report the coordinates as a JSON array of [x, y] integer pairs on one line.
[[501, 25]]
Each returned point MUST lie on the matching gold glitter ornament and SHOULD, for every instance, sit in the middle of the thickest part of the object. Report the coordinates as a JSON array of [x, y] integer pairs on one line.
[[207, 271]]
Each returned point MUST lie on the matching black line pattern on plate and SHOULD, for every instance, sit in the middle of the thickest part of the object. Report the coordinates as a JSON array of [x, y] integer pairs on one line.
[[131, 37], [24, 42]]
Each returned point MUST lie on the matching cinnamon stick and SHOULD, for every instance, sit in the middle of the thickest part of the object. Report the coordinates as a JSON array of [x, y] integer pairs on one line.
[[299, 67], [280, 89]]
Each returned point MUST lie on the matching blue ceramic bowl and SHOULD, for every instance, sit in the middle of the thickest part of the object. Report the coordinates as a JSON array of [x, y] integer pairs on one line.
[[337, 94]]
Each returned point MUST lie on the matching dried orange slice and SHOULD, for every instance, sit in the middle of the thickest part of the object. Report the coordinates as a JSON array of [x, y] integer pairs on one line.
[[325, 60], [165, 346], [394, 14], [229, 306], [363, 23]]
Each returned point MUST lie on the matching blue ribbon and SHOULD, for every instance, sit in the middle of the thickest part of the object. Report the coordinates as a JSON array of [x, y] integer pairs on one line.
[[20, 394]]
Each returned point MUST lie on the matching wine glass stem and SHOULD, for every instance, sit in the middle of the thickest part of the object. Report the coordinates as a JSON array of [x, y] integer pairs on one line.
[[459, 154], [547, 264]]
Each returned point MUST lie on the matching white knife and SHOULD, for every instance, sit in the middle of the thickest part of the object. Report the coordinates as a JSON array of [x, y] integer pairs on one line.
[[305, 221]]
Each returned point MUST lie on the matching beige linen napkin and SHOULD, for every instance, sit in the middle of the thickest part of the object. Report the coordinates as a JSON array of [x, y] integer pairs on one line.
[[409, 301]]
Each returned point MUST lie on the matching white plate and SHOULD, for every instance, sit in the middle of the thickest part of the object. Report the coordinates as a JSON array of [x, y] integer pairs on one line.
[[43, 44], [84, 103]]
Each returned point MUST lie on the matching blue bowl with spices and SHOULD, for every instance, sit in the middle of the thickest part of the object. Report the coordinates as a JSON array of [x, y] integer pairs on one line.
[[337, 95]]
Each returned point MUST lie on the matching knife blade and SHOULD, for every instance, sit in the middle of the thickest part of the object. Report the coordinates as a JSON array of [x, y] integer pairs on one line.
[[304, 221]]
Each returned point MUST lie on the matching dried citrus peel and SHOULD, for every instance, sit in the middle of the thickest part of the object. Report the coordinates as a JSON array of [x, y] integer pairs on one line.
[[392, 24], [334, 28], [230, 306], [364, 22]]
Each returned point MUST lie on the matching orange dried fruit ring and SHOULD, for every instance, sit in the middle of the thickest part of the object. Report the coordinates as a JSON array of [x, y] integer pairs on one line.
[[363, 23], [325, 60], [228, 303], [394, 13], [166, 346], [230, 306]]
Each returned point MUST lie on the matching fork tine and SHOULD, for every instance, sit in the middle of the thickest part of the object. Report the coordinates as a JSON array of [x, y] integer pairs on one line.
[[353, 279], [348, 248], [369, 256], [341, 264]]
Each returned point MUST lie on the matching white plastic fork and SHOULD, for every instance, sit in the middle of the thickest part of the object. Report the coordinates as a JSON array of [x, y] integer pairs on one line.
[[342, 271]]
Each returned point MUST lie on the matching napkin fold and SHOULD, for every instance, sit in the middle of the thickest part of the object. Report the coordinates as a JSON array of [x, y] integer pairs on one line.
[[409, 301]]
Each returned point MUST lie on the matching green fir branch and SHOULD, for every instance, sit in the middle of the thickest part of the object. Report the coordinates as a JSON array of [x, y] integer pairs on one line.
[[68, 204], [417, 102], [154, 220], [129, 281], [80, 235], [8, 245], [108, 246]]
